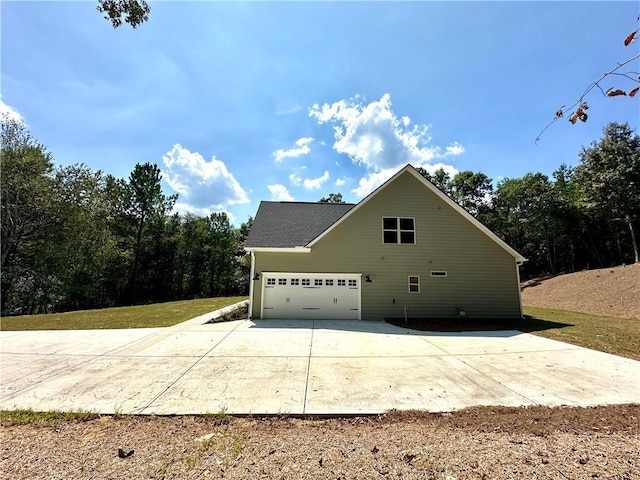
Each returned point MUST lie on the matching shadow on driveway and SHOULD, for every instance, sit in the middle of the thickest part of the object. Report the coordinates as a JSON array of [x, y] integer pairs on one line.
[[527, 324], [421, 327]]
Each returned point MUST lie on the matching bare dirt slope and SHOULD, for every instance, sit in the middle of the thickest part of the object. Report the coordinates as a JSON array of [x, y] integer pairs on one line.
[[607, 291]]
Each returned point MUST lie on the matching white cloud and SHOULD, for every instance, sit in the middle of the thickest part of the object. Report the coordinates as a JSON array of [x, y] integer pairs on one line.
[[301, 148], [437, 166], [10, 112], [280, 193], [182, 208], [310, 183], [373, 180], [455, 149], [373, 136], [295, 179], [203, 186], [314, 183], [340, 182]]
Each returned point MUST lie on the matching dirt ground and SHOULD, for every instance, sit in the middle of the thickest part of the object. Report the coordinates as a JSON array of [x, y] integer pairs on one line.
[[608, 291], [478, 443]]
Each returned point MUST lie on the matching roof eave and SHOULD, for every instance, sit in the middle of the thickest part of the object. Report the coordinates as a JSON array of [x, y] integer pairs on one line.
[[279, 249]]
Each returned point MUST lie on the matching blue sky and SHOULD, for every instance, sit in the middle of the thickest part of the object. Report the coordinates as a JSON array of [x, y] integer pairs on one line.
[[241, 102]]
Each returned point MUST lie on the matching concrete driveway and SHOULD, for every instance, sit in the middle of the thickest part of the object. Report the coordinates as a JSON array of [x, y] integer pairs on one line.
[[301, 367]]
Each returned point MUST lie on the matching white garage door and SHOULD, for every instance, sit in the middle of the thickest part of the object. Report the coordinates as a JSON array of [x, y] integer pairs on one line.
[[311, 296]]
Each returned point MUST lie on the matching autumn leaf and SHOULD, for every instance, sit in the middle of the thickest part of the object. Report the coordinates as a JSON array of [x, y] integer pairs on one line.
[[634, 91], [615, 93], [630, 38]]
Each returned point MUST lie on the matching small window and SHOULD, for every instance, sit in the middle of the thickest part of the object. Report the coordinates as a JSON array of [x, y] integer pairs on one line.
[[398, 230], [328, 283], [353, 283], [295, 281], [438, 273], [317, 282], [414, 284], [342, 283], [271, 281], [306, 282], [282, 281]]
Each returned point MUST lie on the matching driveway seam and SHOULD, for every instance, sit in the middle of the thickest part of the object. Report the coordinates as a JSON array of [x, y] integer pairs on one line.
[[480, 372], [495, 381], [306, 383], [154, 399]]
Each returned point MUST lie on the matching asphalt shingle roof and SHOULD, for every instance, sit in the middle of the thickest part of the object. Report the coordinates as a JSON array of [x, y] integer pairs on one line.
[[293, 224]]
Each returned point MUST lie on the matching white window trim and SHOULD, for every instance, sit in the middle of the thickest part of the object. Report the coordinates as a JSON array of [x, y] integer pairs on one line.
[[439, 273], [399, 231], [409, 284]]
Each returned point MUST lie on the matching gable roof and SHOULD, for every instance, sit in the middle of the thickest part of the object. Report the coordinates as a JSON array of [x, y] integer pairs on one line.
[[448, 200], [292, 224]]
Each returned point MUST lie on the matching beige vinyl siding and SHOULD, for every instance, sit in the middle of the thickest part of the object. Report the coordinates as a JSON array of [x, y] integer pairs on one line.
[[481, 275]]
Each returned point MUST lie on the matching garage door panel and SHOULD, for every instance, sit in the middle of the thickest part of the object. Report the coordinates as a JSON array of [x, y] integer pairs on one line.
[[312, 296]]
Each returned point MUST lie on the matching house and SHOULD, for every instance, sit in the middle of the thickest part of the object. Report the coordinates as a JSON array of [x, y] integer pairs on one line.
[[406, 245]]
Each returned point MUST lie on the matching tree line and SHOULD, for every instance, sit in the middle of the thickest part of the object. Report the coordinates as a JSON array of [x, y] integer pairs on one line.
[[580, 218], [73, 238]]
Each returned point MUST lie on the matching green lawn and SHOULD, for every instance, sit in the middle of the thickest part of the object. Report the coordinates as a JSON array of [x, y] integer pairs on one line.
[[620, 336], [139, 316]]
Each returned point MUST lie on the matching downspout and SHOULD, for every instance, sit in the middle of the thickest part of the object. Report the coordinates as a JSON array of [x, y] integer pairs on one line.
[[519, 288], [251, 281]]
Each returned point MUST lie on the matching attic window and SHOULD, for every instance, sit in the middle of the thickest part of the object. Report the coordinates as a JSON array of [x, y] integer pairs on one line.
[[438, 273], [398, 230]]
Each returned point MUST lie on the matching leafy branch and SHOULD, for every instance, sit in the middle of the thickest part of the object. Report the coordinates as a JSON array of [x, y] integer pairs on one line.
[[579, 108], [133, 12]]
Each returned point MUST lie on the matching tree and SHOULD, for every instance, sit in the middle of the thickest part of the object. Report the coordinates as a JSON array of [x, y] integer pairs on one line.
[[581, 106], [440, 178], [332, 198], [223, 249], [194, 255], [471, 190], [84, 243], [25, 186], [609, 175], [135, 12], [522, 214], [27, 237], [144, 200], [243, 259]]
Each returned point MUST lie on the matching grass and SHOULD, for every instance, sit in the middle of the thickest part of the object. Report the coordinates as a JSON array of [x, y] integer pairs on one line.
[[52, 418], [620, 336], [139, 316]]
